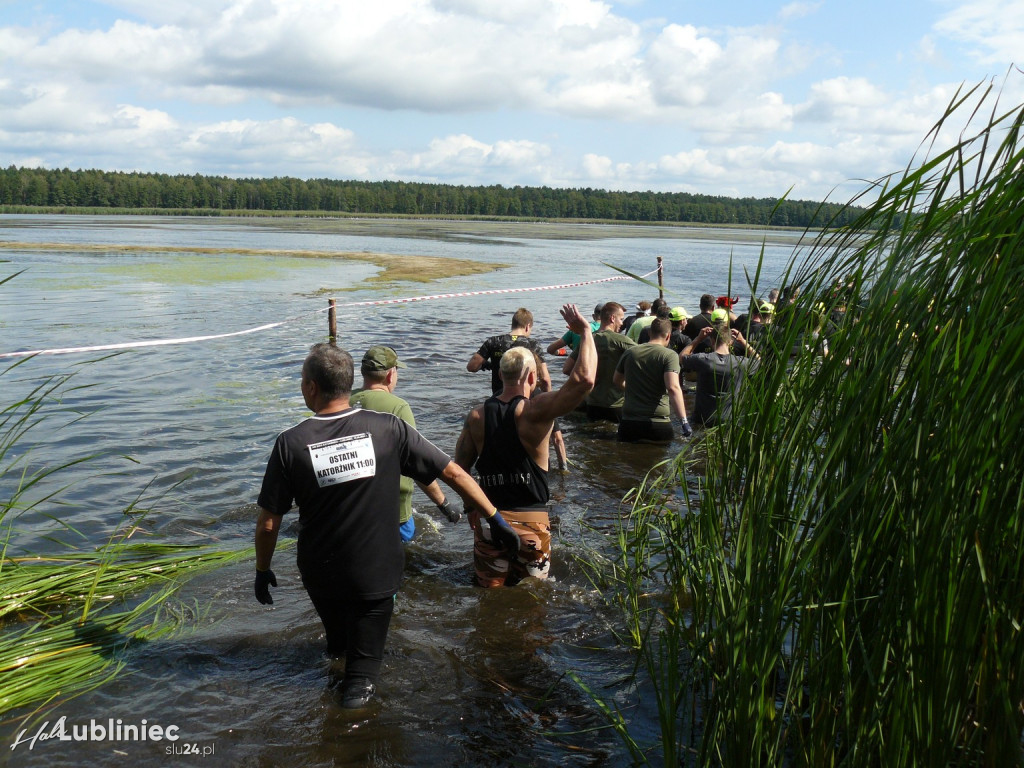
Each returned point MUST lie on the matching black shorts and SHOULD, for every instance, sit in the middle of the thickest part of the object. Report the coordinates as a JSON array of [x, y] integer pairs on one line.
[[646, 431], [601, 413]]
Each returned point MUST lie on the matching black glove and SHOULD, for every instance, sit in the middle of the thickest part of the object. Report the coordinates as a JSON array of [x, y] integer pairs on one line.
[[502, 533], [486, 365], [446, 509], [686, 428], [264, 580]]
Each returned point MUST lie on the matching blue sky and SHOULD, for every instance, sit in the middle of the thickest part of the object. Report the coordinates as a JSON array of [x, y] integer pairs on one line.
[[730, 98]]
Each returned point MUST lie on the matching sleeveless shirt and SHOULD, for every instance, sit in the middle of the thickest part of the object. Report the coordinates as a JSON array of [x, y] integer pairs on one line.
[[509, 477]]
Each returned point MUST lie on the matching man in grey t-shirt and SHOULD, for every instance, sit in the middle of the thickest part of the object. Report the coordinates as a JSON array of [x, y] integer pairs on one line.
[[719, 372]]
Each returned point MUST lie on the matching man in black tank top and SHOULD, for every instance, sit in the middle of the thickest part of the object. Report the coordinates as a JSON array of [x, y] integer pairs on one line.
[[506, 438], [488, 357]]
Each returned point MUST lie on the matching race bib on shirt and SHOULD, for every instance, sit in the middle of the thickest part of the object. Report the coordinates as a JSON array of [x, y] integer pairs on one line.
[[344, 459]]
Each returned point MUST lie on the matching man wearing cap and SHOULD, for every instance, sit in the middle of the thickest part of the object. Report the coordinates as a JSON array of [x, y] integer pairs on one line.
[[650, 375], [506, 440], [605, 401], [380, 377], [678, 341], [342, 468]]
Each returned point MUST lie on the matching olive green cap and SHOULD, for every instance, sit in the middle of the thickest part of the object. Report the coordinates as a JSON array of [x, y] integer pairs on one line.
[[381, 359]]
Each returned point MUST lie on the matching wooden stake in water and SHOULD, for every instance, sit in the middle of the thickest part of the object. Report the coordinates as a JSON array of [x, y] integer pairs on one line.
[[332, 320], [661, 279]]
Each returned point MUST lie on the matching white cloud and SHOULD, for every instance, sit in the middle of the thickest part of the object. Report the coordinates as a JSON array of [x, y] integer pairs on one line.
[[694, 164], [145, 120], [799, 10], [995, 29], [597, 167], [249, 144], [563, 92], [15, 43], [688, 68], [128, 51], [470, 161]]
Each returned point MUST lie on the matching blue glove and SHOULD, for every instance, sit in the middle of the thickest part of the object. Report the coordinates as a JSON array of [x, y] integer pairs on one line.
[[265, 580], [450, 512], [502, 534], [686, 428]]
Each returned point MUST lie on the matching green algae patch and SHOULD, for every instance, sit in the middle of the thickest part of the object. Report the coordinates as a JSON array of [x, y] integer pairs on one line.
[[394, 268]]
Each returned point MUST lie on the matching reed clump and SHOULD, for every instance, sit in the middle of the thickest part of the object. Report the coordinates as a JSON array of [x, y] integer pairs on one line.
[[69, 619], [852, 558]]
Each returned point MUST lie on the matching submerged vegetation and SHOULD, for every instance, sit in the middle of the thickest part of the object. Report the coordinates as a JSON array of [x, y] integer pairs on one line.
[[68, 618], [842, 584]]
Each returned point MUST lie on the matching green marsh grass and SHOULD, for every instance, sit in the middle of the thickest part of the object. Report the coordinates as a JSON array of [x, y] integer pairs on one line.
[[843, 585], [69, 619]]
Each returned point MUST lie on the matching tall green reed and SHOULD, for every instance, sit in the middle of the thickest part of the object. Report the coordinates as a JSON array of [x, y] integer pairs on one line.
[[844, 586]]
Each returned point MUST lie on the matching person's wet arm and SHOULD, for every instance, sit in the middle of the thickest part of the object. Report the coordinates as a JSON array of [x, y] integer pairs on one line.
[[268, 525], [466, 451], [463, 484], [675, 393]]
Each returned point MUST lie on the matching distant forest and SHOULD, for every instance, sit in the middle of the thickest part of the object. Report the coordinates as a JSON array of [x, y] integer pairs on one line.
[[210, 194]]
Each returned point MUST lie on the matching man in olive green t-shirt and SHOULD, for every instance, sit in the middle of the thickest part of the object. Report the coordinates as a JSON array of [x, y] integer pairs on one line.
[[380, 376], [605, 401], [650, 375]]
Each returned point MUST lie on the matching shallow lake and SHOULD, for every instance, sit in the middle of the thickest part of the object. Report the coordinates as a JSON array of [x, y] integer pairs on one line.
[[471, 677]]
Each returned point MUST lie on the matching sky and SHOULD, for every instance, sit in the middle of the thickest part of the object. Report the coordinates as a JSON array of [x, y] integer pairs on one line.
[[742, 98]]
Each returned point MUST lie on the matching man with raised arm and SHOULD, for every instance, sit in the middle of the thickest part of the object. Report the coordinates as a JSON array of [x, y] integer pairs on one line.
[[721, 372], [488, 357], [342, 468], [506, 438]]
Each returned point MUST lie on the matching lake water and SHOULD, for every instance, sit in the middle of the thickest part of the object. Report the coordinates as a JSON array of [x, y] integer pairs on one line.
[[471, 677]]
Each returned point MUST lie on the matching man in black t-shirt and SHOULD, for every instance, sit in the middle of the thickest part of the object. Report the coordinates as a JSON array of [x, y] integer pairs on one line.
[[701, 321], [342, 468], [488, 357]]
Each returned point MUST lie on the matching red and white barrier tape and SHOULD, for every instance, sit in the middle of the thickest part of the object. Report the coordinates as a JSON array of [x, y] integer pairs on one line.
[[377, 302], [491, 292]]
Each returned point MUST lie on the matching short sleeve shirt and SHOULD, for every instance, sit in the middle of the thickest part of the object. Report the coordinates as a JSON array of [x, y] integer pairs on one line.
[[718, 379], [610, 346], [386, 402], [644, 367], [343, 470], [495, 346]]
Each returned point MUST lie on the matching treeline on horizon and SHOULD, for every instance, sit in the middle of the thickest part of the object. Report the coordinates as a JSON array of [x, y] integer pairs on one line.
[[64, 188]]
